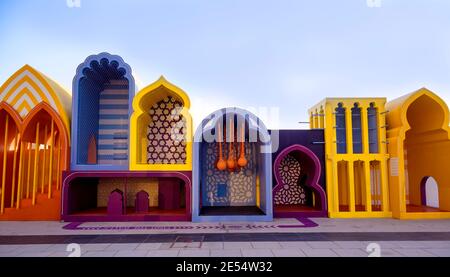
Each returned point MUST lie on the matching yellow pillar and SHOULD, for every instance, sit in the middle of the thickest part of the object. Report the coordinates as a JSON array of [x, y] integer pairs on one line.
[[50, 168], [351, 171], [381, 121], [335, 191], [58, 173], [258, 192], [5, 156], [351, 186], [44, 160], [316, 120], [36, 166], [365, 130], [29, 170], [16, 149], [384, 186], [368, 188], [19, 183]]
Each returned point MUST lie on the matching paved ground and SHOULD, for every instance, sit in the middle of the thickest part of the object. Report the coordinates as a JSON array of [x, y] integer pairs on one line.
[[331, 238]]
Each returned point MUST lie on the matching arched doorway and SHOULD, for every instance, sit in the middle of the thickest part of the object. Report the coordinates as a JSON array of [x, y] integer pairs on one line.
[[297, 192], [34, 153], [9, 156], [45, 141], [429, 192]]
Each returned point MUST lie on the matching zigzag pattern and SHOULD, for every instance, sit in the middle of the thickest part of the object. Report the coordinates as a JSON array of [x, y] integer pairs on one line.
[[25, 92]]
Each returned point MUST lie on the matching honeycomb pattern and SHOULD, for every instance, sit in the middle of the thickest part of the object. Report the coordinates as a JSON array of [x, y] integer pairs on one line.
[[291, 192], [166, 133]]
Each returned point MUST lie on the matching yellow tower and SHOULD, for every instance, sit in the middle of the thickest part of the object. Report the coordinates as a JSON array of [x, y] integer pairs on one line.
[[356, 155]]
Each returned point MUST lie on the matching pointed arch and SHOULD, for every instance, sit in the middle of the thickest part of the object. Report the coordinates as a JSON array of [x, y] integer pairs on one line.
[[160, 90], [27, 87], [13, 113], [59, 127]]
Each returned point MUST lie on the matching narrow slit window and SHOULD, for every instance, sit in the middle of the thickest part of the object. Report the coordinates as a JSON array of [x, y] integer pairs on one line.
[[356, 129], [341, 137], [372, 114]]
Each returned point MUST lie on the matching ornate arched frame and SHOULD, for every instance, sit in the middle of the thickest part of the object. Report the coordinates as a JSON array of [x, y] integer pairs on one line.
[[313, 182], [75, 107], [398, 127], [151, 94], [257, 125]]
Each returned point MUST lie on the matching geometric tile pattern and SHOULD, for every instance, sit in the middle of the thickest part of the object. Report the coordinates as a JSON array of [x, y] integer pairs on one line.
[[240, 184], [166, 133], [291, 193]]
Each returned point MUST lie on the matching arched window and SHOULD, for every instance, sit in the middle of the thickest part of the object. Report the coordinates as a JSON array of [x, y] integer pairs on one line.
[[356, 129], [341, 137], [372, 118], [103, 90]]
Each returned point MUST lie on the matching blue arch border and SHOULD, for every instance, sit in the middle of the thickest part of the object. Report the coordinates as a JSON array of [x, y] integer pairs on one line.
[[267, 165], [74, 165]]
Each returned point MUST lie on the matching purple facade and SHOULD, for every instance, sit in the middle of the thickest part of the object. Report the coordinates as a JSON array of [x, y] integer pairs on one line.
[[80, 197], [299, 174]]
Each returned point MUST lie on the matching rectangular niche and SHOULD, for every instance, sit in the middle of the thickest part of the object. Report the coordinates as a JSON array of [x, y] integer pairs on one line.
[[375, 185], [343, 186]]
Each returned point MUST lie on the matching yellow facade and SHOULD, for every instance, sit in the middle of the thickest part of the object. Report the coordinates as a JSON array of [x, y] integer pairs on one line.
[[356, 156], [140, 119], [419, 146]]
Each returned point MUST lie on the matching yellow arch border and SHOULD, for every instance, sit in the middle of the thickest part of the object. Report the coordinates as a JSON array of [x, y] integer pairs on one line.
[[143, 99], [61, 98], [398, 125]]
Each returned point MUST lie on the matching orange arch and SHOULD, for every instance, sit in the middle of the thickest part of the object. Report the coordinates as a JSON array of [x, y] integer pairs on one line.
[[13, 113], [64, 135]]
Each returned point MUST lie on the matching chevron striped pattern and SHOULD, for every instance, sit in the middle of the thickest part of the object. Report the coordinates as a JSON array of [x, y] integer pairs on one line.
[[26, 91], [113, 123]]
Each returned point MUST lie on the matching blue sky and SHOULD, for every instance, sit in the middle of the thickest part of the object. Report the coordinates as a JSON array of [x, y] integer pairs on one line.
[[246, 53]]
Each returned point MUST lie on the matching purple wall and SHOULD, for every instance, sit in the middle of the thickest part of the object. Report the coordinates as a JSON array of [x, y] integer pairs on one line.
[[306, 138]]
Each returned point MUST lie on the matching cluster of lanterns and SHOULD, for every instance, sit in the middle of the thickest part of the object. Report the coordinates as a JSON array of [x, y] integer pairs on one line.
[[231, 163]]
